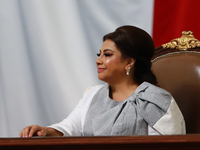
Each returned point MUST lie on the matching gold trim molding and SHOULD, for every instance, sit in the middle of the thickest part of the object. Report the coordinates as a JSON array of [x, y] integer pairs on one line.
[[185, 42]]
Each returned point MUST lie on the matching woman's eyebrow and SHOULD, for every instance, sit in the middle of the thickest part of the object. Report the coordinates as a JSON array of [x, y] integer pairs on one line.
[[107, 50]]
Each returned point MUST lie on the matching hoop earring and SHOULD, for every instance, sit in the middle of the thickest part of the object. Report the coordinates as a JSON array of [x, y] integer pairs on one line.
[[127, 71]]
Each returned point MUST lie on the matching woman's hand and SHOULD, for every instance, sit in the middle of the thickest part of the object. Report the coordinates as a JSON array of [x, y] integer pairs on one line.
[[29, 131], [39, 131]]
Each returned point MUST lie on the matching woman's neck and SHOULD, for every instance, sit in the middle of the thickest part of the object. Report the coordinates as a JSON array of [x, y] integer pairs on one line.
[[121, 91]]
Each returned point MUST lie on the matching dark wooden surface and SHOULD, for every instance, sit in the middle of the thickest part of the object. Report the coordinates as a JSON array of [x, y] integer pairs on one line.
[[175, 142]]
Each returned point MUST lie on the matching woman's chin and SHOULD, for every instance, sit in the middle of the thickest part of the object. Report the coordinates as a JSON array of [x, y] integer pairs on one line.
[[102, 78]]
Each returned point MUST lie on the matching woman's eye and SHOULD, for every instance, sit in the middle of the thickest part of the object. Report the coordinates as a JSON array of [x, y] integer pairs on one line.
[[107, 55]]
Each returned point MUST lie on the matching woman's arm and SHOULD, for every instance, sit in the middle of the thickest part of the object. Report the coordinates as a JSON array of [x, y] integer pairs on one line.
[[72, 125], [32, 130]]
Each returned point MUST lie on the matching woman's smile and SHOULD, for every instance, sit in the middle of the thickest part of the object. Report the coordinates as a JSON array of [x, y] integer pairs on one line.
[[99, 69]]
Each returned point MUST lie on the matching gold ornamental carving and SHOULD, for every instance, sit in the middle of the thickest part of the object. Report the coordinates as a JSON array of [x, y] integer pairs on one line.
[[185, 42]]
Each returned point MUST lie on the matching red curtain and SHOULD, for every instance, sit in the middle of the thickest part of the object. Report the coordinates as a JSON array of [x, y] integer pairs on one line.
[[171, 17]]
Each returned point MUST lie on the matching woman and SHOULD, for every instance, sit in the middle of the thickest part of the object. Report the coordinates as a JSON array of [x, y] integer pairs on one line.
[[130, 103]]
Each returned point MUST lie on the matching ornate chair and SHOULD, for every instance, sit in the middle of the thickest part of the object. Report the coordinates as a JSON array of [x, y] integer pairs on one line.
[[177, 67]]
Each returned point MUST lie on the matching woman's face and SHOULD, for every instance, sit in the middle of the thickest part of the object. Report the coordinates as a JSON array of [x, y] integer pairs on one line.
[[110, 63]]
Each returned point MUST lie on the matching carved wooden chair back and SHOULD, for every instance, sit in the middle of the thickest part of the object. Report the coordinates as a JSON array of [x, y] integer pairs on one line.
[[177, 67]]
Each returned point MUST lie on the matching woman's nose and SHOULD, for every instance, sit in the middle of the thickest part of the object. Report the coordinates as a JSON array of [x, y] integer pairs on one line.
[[98, 60]]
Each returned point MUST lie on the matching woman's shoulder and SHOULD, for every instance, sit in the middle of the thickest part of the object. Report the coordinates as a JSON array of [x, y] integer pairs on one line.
[[155, 94], [93, 89], [153, 88], [89, 94]]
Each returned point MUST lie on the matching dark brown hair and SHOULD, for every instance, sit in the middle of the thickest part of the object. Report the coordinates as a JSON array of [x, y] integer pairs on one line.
[[135, 43]]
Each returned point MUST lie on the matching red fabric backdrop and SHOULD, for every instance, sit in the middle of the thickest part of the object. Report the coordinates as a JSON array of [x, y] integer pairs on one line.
[[171, 17]]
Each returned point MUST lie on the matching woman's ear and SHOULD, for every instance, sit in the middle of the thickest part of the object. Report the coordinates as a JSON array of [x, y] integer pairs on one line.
[[130, 62]]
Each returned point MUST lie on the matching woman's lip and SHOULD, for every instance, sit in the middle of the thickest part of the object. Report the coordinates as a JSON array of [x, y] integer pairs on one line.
[[100, 69]]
